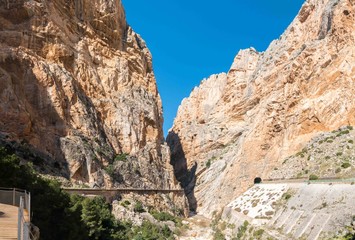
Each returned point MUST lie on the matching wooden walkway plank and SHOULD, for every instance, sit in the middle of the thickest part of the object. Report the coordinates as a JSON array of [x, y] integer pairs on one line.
[[8, 222]]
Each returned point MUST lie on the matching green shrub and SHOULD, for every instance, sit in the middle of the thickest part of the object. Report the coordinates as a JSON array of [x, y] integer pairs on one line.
[[343, 133], [166, 232], [327, 157], [178, 211], [301, 154], [348, 236], [110, 170], [257, 234], [208, 163], [60, 216], [288, 196], [164, 216], [223, 225], [121, 157], [97, 217], [351, 141], [49, 204], [313, 177], [231, 225], [125, 203], [339, 154], [350, 127], [218, 235], [138, 207], [149, 231], [345, 165], [242, 229], [338, 170]]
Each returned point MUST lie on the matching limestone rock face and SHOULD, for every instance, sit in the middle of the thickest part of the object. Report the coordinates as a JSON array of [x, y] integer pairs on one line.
[[268, 106], [76, 84]]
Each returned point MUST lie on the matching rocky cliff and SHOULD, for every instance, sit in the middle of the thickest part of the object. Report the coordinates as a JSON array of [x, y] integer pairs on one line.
[[78, 89], [241, 125]]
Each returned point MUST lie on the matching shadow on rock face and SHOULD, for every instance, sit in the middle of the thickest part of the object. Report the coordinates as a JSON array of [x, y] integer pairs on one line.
[[185, 176], [28, 115]]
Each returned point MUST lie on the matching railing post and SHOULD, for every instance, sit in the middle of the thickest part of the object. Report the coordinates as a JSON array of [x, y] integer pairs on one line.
[[19, 222], [29, 207], [13, 197]]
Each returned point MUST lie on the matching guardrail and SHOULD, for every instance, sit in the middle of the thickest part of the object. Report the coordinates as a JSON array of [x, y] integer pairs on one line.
[[307, 180], [23, 230], [120, 190], [21, 199], [284, 179], [335, 180], [12, 196]]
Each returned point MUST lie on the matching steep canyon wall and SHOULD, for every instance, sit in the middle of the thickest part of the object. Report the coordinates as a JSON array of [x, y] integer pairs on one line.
[[240, 125], [77, 86]]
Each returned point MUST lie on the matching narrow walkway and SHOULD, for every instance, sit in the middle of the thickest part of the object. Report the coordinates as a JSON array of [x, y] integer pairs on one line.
[[8, 222], [306, 180], [100, 191]]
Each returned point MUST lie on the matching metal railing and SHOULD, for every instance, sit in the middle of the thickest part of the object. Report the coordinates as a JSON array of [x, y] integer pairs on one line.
[[307, 180], [12, 196], [23, 230], [21, 199]]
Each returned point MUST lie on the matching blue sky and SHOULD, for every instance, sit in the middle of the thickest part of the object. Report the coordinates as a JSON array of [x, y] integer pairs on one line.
[[190, 40]]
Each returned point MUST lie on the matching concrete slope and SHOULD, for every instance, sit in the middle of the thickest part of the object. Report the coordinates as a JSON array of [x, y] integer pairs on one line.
[[295, 210]]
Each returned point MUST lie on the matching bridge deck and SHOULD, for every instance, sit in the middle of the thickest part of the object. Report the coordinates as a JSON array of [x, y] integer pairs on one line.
[[8, 222], [98, 191]]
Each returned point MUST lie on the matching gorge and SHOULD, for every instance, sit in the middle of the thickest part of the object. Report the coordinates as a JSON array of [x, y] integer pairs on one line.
[[79, 104]]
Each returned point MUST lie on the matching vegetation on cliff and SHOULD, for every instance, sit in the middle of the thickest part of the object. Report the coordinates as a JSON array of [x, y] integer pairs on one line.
[[327, 155], [60, 216]]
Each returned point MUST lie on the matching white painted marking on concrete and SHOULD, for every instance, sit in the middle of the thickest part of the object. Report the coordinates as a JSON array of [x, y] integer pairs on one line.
[[284, 218], [293, 221], [275, 218], [316, 231], [301, 230]]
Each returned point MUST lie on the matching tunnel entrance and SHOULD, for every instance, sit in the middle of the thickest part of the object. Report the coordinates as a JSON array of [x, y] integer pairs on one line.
[[257, 180]]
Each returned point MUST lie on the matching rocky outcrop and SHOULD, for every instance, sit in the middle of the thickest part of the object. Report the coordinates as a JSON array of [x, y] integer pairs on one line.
[[269, 106], [77, 85], [327, 155]]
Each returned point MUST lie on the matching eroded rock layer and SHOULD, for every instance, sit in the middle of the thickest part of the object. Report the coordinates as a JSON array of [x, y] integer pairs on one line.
[[77, 85], [235, 128]]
